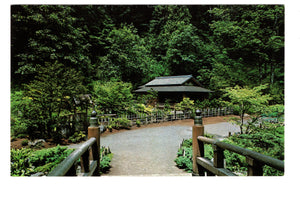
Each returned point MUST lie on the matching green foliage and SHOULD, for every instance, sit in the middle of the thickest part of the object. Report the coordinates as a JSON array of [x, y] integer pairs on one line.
[[49, 95], [267, 139], [119, 123], [247, 101], [138, 123], [52, 155], [19, 162], [185, 105], [148, 98], [105, 164], [47, 33], [122, 123], [112, 96], [184, 158], [276, 111], [105, 159], [20, 121], [25, 162], [220, 45], [77, 137], [249, 46]]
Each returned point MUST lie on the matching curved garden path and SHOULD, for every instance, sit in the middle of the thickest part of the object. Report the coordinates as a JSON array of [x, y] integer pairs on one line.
[[151, 151]]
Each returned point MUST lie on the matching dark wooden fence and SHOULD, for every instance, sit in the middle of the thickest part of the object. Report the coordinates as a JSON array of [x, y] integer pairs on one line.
[[163, 116], [88, 153], [201, 164]]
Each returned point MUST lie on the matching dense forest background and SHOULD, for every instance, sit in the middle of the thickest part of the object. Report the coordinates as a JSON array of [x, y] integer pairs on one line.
[[220, 45]]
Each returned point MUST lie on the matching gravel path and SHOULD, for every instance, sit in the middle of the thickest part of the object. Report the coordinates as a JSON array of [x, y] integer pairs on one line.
[[146, 152], [221, 130], [151, 151]]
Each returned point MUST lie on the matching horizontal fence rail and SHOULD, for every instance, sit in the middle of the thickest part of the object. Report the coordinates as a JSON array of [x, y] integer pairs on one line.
[[263, 159]]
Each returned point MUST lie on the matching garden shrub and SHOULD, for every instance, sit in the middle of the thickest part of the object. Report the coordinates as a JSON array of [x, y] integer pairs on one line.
[[185, 105], [25, 162], [138, 123], [112, 96], [77, 137], [19, 162], [105, 159], [184, 158], [268, 141], [119, 123]]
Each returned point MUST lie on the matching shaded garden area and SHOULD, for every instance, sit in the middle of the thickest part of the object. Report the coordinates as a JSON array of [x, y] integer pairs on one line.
[[68, 60]]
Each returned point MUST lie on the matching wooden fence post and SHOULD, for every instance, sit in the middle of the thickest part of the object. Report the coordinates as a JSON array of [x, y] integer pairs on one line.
[[218, 157], [255, 168], [198, 146], [94, 131]]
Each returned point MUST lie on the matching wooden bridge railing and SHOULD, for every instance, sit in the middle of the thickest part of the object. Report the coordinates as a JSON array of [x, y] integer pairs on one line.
[[255, 160], [88, 153]]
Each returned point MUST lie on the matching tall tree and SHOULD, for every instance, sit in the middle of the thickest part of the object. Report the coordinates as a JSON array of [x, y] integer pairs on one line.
[[51, 94], [250, 45], [46, 33]]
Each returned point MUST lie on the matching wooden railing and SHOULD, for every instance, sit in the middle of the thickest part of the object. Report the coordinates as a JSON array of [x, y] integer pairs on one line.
[[88, 166], [201, 164], [88, 153]]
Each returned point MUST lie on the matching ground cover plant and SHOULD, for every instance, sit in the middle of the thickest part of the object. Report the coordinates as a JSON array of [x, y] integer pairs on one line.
[[105, 159], [184, 158], [25, 162]]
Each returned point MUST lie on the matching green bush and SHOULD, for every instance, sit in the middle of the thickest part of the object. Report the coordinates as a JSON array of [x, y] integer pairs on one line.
[[105, 159], [185, 105], [119, 123], [268, 140], [138, 123], [184, 158], [25, 162], [77, 137], [112, 96], [19, 162]]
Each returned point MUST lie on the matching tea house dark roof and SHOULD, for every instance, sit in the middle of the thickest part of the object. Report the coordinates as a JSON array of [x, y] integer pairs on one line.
[[183, 83]]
